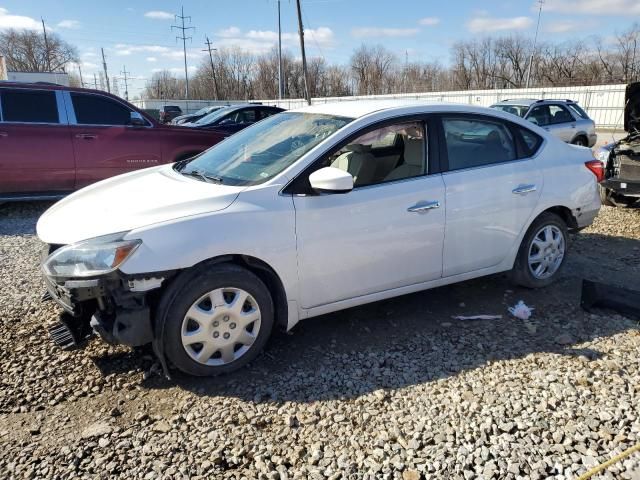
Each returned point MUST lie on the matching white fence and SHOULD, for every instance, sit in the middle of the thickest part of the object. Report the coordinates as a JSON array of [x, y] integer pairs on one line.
[[603, 103]]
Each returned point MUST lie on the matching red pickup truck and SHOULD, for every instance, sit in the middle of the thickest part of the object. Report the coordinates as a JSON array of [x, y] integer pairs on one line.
[[55, 139]]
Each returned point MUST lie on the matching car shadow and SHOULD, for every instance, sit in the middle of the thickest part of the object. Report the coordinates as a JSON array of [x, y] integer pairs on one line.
[[20, 218], [413, 339]]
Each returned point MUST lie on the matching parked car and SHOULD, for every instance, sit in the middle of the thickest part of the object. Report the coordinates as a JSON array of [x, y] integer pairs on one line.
[[621, 186], [308, 212], [54, 140], [563, 118], [169, 112], [232, 119], [192, 117]]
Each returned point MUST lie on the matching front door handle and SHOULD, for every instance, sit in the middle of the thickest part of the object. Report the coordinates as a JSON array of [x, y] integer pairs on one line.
[[4, 134], [423, 207], [524, 189], [86, 136]]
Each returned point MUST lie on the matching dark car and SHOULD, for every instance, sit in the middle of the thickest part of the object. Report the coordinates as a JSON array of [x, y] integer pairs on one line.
[[192, 117], [55, 139], [621, 184], [169, 112], [232, 119]]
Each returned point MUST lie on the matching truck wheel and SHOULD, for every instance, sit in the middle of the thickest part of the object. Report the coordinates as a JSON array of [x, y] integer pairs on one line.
[[605, 196], [610, 199], [542, 252], [219, 318]]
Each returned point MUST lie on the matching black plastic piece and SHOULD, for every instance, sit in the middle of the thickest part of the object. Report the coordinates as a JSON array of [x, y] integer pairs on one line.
[[129, 326], [600, 295], [69, 332]]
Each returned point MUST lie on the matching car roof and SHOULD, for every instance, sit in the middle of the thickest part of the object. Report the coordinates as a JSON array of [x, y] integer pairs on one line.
[[360, 108]]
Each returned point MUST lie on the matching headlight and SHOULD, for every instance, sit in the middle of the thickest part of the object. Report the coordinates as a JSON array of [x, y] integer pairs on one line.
[[92, 257]]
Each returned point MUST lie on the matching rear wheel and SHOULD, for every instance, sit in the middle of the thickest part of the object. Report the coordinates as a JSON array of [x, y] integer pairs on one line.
[[542, 252], [220, 319]]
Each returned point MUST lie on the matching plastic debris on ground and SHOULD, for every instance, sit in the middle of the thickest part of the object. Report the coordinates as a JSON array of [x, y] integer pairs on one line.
[[521, 310], [477, 317]]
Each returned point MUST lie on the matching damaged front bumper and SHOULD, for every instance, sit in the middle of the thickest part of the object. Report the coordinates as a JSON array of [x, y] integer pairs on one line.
[[115, 306]]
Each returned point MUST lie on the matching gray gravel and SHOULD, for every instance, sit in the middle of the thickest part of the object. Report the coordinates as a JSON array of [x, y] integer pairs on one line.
[[396, 389]]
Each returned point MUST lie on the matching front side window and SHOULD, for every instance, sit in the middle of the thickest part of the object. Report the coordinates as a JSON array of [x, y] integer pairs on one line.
[[29, 106], [261, 151], [394, 152], [98, 110], [540, 115], [477, 142], [245, 116]]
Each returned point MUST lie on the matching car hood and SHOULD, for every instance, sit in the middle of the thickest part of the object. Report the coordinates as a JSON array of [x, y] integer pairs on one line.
[[632, 108], [129, 201]]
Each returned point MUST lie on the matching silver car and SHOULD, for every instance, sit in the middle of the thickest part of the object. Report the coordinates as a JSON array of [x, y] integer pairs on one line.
[[563, 118]]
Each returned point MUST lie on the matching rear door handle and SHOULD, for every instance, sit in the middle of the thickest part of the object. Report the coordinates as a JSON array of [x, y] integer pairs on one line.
[[423, 207], [524, 189], [4, 134], [86, 136]]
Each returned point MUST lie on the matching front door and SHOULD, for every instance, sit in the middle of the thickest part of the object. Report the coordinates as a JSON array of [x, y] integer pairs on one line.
[[492, 188], [36, 154], [386, 233], [105, 143]]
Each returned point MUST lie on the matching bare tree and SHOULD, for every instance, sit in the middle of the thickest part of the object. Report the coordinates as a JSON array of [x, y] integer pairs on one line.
[[26, 51]]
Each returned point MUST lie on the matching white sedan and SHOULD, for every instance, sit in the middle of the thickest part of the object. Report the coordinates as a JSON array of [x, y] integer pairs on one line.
[[308, 212]]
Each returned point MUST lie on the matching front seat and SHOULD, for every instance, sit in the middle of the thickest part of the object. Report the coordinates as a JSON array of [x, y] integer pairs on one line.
[[413, 165], [359, 162]]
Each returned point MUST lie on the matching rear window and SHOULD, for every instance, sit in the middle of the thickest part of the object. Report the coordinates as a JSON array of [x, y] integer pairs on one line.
[[170, 108], [29, 106]]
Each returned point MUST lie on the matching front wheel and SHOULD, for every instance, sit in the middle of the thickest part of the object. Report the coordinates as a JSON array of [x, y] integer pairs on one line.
[[220, 319], [542, 252]]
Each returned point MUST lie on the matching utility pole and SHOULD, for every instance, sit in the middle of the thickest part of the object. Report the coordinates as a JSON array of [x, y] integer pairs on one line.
[[80, 72], [184, 39], [280, 84], [46, 45], [535, 41], [126, 82], [307, 95], [106, 75], [213, 70]]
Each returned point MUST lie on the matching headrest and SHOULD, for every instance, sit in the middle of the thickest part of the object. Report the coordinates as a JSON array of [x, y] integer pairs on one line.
[[413, 152], [358, 148]]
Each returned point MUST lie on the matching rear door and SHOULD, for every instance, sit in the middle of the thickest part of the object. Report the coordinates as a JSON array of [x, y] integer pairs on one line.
[[492, 186], [563, 125], [36, 154], [104, 142]]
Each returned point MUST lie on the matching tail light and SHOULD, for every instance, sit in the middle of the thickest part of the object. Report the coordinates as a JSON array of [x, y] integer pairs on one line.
[[597, 168]]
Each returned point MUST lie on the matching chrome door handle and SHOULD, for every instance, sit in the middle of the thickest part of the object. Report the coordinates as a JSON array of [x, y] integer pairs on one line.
[[86, 136], [4, 134], [524, 189], [422, 207]]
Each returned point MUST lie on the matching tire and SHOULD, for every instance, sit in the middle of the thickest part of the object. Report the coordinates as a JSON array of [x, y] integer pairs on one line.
[[581, 141], [610, 199], [522, 272], [605, 196], [190, 315]]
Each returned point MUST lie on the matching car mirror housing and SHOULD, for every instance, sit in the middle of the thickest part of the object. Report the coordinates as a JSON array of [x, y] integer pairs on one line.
[[137, 120], [331, 180]]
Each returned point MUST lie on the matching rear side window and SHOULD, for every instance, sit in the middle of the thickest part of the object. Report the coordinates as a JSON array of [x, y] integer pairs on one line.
[[475, 142], [559, 114], [98, 110], [530, 142], [575, 108], [29, 106]]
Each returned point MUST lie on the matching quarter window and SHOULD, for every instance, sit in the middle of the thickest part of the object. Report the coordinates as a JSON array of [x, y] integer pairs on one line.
[[98, 110], [531, 142], [383, 155], [29, 106], [477, 142]]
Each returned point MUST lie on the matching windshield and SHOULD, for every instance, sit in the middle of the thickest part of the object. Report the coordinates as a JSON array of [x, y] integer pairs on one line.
[[258, 153], [213, 116], [519, 110]]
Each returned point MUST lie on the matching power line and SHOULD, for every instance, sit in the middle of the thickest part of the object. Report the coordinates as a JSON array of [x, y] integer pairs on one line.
[[213, 70], [184, 39], [126, 82]]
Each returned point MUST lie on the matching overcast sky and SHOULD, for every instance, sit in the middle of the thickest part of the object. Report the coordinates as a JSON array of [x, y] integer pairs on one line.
[[138, 34]]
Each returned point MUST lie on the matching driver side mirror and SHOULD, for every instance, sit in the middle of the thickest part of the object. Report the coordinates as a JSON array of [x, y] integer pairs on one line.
[[331, 180], [136, 120]]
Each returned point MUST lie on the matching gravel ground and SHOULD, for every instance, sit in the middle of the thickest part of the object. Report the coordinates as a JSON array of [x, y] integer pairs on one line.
[[395, 389]]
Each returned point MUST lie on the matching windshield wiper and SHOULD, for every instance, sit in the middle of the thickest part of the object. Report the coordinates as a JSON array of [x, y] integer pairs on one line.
[[199, 174]]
